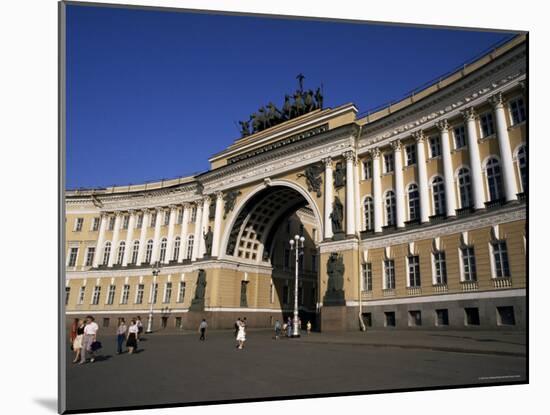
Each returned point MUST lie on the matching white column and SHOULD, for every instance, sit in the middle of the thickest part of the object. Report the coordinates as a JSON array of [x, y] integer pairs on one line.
[[328, 197], [183, 234], [170, 237], [399, 186], [143, 237], [376, 189], [114, 242], [156, 237], [450, 195], [478, 193], [198, 234], [508, 174], [217, 225], [129, 238], [100, 239], [350, 198], [422, 176], [204, 225]]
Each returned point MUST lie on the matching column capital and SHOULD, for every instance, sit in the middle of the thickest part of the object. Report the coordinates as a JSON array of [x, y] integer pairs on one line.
[[219, 195], [349, 155], [419, 136], [497, 100], [186, 205], [172, 206], [374, 153], [469, 114], [443, 125], [396, 145], [206, 199], [131, 211], [327, 161]]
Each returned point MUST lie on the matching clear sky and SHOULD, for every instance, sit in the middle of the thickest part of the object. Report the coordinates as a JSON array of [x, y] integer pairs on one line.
[[154, 94]]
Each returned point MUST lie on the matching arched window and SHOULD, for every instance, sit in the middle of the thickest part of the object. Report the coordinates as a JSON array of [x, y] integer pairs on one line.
[[438, 189], [135, 252], [464, 187], [106, 253], [414, 202], [162, 256], [190, 242], [390, 208], [522, 167], [148, 251], [120, 255], [176, 253], [369, 213], [494, 181]]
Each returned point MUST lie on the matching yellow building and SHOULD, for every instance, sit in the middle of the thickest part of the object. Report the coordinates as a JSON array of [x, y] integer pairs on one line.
[[413, 216]]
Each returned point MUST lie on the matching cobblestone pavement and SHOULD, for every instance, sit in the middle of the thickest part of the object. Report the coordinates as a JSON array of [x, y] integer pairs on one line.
[[175, 368]]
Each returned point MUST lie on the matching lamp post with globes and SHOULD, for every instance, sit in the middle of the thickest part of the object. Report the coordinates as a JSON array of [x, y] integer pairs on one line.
[[156, 271], [298, 245]]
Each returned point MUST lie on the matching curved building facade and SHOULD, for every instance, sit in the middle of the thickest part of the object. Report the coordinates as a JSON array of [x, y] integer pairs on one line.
[[413, 217]]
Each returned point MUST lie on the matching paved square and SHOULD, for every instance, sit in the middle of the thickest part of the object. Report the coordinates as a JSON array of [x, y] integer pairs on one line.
[[178, 368]]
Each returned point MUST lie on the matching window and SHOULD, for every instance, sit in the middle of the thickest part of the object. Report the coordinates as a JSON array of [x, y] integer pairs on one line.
[[106, 321], [125, 221], [96, 295], [368, 206], [67, 294], [271, 292], [438, 189], [176, 252], [366, 272], [73, 255], [390, 208], [440, 267], [413, 262], [500, 257], [487, 125], [148, 251], [505, 316], [471, 316], [494, 182], [460, 137], [178, 322], [90, 256], [112, 223], [414, 202], [464, 187], [193, 217], [135, 253], [153, 220], [468, 263], [190, 242], [125, 294], [410, 150], [435, 147], [81, 295], [95, 224], [163, 250], [167, 292], [389, 274], [522, 166], [367, 169], [517, 111], [442, 317], [415, 318], [389, 318], [180, 216], [181, 292], [78, 224], [388, 162], [120, 255], [139, 222], [106, 253], [166, 217], [139, 293], [154, 292], [111, 294]]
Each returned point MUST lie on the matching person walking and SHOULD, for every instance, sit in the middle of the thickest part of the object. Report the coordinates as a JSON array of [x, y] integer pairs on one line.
[[241, 335], [237, 325], [131, 337], [77, 341], [140, 327], [277, 329], [289, 328], [90, 336], [202, 329], [72, 335], [120, 335], [308, 327]]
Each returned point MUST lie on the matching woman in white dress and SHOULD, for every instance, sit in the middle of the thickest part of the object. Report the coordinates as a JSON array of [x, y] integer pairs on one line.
[[241, 335]]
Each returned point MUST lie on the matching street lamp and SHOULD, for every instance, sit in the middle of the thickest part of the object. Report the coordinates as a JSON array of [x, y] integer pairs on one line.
[[155, 268], [298, 245]]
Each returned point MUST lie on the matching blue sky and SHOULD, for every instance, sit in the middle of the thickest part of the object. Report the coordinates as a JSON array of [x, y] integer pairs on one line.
[[153, 94]]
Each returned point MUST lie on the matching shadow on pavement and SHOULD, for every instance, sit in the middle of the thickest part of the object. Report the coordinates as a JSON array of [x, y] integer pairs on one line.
[[48, 403]]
